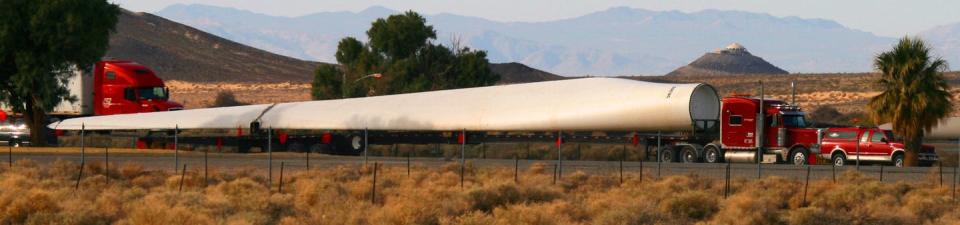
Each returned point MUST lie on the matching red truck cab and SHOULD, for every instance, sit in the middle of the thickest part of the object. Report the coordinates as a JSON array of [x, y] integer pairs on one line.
[[127, 87], [784, 132], [875, 145]]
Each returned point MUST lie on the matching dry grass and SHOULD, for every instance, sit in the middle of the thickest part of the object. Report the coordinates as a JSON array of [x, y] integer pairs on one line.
[[129, 195]]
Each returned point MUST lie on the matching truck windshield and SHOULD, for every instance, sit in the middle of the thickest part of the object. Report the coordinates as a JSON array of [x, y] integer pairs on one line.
[[152, 93], [794, 121]]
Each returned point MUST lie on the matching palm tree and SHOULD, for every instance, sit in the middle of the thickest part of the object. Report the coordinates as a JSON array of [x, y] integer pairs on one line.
[[915, 94]]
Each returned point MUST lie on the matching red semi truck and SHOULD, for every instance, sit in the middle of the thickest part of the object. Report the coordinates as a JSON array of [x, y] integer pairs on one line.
[[106, 88], [115, 87], [779, 131]]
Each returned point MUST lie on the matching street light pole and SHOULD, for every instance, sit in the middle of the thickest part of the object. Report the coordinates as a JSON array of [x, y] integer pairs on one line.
[[343, 87]]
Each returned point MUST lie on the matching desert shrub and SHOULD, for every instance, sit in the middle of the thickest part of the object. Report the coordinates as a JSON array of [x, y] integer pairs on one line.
[[31, 194], [816, 216], [487, 198], [691, 205], [633, 214], [226, 98]]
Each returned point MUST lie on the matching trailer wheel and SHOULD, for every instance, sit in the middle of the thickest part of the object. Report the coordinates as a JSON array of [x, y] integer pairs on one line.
[[711, 154], [666, 154], [349, 145], [689, 155], [357, 144], [838, 159], [798, 156]]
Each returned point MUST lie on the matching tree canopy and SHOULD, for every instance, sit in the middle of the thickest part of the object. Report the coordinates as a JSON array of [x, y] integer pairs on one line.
[[915, 96], [40, 41], [400, 48]]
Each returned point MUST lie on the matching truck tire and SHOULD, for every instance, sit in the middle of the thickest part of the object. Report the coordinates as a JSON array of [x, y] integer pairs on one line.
[[351, 144], [688, 154], [838, 159], [357, 144], [667, 154], [798, 156], [711, 154], [897, 159]]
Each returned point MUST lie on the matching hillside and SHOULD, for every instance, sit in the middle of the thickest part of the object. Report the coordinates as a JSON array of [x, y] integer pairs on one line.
[[734, 59], [519, 73], [180, 52]]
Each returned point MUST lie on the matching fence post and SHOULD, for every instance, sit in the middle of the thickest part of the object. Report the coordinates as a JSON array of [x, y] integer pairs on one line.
[[83, 146], [726, 181], [408, 164], [659, 155], [280, 185], [483, 150], [182, 174], [176, 147], [806, 185], [834, 168], [621, 171], [881, 173], [641, 171], [206, 180], [269, 158], [516, 169], [79, 175], [373, 188], [463, 151], [365, 152], [106, 163], [559, 155], [554, 173]]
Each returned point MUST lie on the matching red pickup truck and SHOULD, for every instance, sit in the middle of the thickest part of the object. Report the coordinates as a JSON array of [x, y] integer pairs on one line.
[[876, 145]]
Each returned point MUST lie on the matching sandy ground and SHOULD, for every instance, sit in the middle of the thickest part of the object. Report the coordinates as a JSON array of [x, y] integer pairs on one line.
[[202, 95]]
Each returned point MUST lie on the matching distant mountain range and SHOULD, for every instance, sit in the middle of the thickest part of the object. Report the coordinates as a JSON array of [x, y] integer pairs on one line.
[[617, 41]]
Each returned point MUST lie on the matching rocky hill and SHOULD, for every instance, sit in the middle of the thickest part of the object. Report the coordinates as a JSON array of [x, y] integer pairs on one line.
[[734, 59], [180, 52]]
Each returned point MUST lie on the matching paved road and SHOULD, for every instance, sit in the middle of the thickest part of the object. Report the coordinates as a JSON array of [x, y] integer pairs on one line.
[[298, 161]]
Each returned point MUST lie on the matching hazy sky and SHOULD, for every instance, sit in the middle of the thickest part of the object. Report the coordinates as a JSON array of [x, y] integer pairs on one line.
[[882, 17]]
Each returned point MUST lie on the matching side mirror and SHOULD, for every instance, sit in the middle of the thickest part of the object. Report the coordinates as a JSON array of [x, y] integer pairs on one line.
[[884, 140]]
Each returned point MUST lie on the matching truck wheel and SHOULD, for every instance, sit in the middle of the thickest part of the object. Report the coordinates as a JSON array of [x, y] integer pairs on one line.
[[712, 154], [666, 154], [689, 155], [357, 144], [798, 157], [898, 160], [838, 159]]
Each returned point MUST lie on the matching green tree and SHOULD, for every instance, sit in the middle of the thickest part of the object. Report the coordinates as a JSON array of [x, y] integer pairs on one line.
[[326, 82], [915, 96], [400, 48], [40, 41], [401, 35]]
